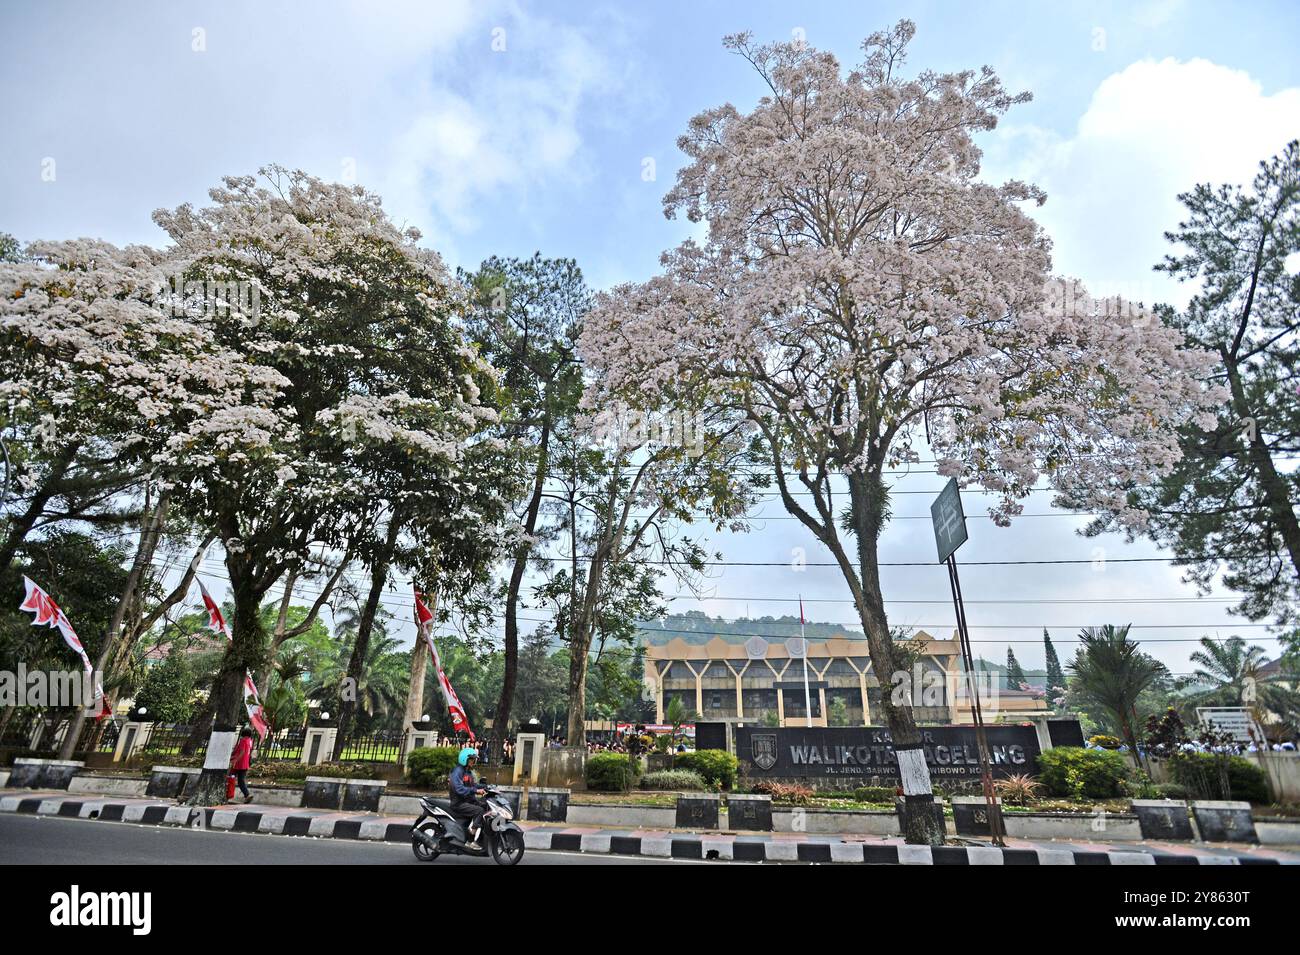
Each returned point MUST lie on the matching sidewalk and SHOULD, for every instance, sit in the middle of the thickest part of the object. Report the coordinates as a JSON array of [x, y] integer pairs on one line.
[[662, 843]]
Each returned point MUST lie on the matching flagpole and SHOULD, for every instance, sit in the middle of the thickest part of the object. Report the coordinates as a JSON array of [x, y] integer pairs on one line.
[[807, 696]]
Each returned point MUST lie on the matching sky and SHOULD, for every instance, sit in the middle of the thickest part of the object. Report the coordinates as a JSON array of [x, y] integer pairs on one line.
[[504, 128]]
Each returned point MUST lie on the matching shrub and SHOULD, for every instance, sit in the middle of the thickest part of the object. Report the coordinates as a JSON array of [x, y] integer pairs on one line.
[[1018, 789], [1106, 742], [716, 767], [1200, 773], [1171, 791], [876, 794], [1082, 773], [789, 793], [609, 772], [429, 766], [674, 779]]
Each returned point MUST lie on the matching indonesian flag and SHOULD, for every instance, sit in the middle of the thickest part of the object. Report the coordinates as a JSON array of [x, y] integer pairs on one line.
[[49, 614], [802, 621], [217, 624], [424, 621]]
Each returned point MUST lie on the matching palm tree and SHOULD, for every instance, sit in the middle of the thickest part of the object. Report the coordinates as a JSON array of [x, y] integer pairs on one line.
[[1110, 672], [1228, 667]]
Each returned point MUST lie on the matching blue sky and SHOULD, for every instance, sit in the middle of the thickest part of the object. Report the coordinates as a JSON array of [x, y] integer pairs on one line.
[[543, 145]]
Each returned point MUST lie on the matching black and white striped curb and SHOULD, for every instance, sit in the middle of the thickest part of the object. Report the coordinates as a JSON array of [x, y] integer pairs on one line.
[[282, 823], [742, 849], [333, 825]]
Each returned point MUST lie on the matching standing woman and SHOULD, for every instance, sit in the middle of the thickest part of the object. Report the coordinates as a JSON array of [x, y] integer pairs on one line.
[[240, 760]]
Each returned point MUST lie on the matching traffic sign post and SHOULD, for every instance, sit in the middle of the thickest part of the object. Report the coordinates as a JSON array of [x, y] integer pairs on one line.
[[949, 534]]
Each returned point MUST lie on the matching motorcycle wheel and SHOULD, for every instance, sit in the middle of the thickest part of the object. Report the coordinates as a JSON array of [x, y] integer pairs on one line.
[[508, 847], [422, 851]]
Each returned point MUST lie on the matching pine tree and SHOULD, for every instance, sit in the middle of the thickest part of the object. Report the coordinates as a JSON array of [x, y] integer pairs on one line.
[[1015, 675], [1055, 675]]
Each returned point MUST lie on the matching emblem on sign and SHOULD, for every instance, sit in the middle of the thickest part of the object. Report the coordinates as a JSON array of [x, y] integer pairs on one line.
[[763, 750]]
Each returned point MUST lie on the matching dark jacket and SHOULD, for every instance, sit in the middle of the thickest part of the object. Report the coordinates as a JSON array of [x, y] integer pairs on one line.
[[462, 783]]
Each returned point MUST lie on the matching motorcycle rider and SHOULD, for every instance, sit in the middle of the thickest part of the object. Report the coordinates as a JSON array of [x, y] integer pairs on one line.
[[466, 794]]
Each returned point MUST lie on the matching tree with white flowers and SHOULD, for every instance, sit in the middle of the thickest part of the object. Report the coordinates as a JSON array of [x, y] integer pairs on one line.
[[860, 291], [380, 406]]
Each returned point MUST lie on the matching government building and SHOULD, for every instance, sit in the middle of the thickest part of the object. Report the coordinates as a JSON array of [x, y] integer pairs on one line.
[[762, 682]]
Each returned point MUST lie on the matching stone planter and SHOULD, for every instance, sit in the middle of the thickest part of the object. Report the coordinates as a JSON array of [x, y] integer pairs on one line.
[[698, 810]]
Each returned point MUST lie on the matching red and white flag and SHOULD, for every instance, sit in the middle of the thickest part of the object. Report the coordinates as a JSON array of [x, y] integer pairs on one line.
[[802, 621], [217, 624], [424, 622], [50, 614]]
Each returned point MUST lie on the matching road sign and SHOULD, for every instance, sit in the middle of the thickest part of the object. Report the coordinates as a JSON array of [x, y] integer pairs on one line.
[[949, 520]]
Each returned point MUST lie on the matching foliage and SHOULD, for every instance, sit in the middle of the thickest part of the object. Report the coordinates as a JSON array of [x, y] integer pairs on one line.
[[1227, 507], [1103, 741], [1220, 776], [1110, 673], [875, 794], [430, 766], [1015, 675], [716, 766], [168, 690], [793, 794], [1055, 675], [1018, 789], [610, 772], [1171, 791], [1078, 772], [671, 779]]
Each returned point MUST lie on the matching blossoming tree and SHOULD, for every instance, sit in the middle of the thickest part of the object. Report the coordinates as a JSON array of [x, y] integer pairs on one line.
[[861, 291], [377, 396]]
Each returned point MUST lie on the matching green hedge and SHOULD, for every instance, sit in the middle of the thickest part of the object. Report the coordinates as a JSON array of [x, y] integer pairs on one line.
[[430, 766], [716, 767], [673, 779], [1199, 773], [1083, 773], [609, 772], [875, 794]]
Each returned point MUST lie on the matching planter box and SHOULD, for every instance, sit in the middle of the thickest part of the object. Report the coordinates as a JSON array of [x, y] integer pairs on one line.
[[548, 805], [752, 813], [170, 782], [698, 811], [1163, 819], [1224, 821], [43, 773], [363, 795], [970, 816]]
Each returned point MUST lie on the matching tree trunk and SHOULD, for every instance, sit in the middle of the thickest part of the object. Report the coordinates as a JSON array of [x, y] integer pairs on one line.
[[580, 633], [419, 667], [22, 525], [247, 645], [149, 535], [501, 719], [866, 496], [1274, 487], [365, 626]]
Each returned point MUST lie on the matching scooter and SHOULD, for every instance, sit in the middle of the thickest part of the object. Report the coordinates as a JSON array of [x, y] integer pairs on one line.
[[438, 830]]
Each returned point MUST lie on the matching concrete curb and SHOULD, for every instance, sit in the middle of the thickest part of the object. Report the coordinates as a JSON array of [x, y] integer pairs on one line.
[[275, 820]]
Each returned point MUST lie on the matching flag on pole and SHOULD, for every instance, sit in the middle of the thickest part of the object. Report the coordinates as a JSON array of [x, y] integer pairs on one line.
[[50, 614], [217, 624], [802, 621], [424, 621]]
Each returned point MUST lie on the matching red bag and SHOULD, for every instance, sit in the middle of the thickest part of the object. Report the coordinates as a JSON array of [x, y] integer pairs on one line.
[[230, 786]]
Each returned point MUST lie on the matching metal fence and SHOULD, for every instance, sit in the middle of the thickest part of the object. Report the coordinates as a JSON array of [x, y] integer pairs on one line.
[[374, 748]]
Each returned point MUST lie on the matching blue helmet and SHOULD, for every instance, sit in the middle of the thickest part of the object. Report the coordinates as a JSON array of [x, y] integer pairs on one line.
[[465, 754]]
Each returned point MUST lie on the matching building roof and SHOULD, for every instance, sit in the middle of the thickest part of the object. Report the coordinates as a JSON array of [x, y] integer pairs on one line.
[[775, 649]]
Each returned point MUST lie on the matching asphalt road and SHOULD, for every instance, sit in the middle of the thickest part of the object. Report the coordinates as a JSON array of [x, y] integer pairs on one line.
[[50, 840]]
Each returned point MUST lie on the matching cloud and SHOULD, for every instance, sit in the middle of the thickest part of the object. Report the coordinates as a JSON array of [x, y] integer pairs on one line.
[[1150, 132]]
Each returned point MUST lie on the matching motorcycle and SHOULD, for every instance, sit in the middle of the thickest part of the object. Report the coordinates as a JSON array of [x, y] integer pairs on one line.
[[439, 830]]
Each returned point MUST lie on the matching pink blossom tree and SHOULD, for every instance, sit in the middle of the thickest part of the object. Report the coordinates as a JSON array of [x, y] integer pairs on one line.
[[861, 291]]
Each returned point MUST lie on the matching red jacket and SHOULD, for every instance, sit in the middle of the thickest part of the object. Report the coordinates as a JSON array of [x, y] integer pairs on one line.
[[243, 753]]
